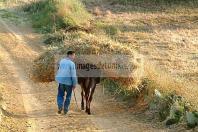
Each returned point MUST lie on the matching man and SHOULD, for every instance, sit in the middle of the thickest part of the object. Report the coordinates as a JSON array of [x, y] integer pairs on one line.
[[67, 79]]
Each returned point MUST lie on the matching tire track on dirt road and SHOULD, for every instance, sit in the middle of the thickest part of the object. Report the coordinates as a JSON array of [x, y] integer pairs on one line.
[[20, 79], [29, 101]]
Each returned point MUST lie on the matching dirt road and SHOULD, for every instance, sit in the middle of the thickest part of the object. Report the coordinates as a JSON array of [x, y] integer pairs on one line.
[[32, 107]]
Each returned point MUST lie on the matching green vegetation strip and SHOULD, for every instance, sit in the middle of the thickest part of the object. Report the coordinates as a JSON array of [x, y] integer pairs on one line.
[[52, 15]]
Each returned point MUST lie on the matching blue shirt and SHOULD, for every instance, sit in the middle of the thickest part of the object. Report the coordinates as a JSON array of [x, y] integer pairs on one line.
[[66, 73]]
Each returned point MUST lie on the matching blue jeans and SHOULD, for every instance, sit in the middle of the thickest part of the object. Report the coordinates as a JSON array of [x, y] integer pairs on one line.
[[62, 88]]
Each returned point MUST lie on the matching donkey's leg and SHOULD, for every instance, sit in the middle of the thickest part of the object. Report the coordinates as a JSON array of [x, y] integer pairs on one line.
[[92, 87], [87, 90], [82, 102], [87, 100]]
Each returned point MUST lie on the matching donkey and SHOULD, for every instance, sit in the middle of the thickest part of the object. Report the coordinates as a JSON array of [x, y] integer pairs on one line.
[[88, 83]]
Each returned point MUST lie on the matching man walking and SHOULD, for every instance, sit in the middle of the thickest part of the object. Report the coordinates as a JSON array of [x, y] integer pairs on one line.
[[67, 80]]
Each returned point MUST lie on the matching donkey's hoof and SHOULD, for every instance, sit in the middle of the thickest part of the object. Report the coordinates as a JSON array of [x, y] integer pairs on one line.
[[88, 111], [82, 108]]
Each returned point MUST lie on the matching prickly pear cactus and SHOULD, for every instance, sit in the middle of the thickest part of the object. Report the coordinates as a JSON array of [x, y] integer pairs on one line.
[[170, 108], [176, 113], [192, 119], [173, 109]]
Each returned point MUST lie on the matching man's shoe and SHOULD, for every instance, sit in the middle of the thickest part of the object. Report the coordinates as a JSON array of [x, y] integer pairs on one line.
[[59, 111], [65, 112]]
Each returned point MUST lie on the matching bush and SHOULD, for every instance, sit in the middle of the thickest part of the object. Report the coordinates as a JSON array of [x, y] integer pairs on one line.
[[52, 15], [111, 30], [192, 119], [171, 108], [73, 13], [54, 38]]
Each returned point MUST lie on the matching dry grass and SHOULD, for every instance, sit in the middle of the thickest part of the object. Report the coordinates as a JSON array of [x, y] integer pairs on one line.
[[168, 39], [167, 84], [165, 35]]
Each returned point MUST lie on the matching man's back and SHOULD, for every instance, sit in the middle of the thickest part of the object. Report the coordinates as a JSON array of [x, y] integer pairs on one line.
[[66, 73]]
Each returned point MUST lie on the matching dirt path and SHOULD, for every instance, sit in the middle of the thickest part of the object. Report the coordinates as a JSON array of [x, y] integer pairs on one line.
[[33, 106]]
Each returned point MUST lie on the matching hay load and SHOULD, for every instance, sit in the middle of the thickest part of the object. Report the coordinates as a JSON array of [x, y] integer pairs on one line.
[[43, 67], [87, 44]]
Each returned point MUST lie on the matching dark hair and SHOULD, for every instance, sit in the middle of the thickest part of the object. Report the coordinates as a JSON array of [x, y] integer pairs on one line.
[[70, 52]]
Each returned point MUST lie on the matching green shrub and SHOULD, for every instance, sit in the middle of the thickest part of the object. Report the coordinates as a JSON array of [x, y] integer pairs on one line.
[[52, 15], [73, 13], [54, 38], [43, 15], [171, 108], [192, 119], [116, 89], [121, 92]]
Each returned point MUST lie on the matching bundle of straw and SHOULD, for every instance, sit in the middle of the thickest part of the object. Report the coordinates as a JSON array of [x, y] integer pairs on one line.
[[44, 67]]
